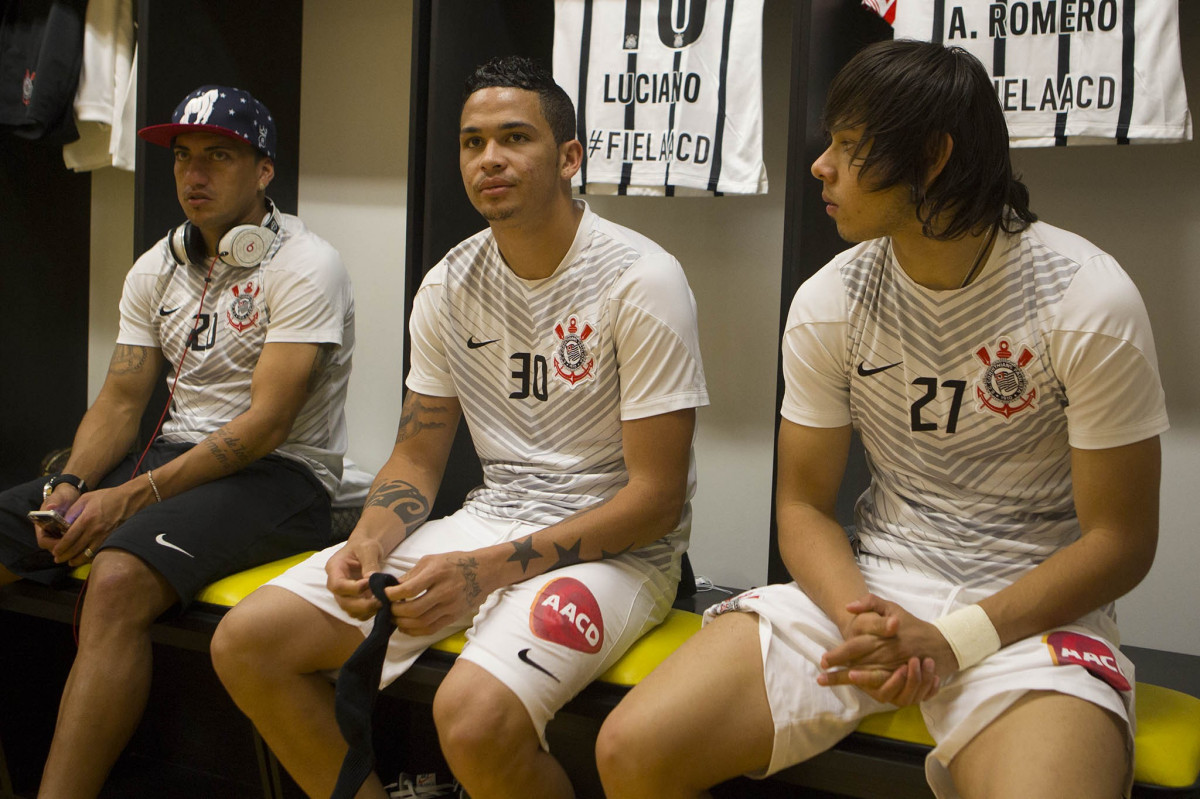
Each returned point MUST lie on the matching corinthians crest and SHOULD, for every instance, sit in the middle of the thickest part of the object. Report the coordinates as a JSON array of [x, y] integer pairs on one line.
[[242, 313], [573, 361], [1004, 387]]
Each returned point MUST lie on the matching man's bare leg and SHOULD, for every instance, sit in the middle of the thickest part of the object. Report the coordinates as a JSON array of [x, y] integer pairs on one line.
[[697, 720], [489, 740], [106, 690], [270, 652], [1039, 745]]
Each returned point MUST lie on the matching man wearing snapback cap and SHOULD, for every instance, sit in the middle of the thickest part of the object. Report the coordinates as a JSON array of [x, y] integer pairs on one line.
[[250, 318]]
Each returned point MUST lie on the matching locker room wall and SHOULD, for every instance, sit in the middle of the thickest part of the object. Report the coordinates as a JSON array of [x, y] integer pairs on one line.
[[1137, 202], [44, 286]]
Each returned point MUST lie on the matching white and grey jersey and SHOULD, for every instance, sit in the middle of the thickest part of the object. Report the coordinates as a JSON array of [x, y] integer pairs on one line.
[[1065, 73], [969, 401], [546, 370], [300, 293]]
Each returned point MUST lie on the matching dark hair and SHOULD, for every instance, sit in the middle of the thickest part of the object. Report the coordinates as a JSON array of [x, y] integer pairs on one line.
[[906, 95], [519, 72]]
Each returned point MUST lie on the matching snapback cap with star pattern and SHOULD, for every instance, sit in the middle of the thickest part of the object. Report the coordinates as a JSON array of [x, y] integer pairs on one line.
[[223, 110]]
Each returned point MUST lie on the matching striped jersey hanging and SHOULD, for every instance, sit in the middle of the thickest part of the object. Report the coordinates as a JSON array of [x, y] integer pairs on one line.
[[668, 94], [1066, 71]]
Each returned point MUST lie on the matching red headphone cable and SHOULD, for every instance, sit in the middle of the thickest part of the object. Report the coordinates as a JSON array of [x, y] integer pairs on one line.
[[157, 427]]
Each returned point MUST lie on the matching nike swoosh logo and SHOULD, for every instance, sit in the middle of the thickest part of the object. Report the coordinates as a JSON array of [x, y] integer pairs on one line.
[[161, 538], [524, 656], [864, 372], [472, 344], [165, 312]]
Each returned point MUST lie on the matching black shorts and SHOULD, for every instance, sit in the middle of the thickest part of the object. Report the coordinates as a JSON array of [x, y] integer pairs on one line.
[[272, 509]]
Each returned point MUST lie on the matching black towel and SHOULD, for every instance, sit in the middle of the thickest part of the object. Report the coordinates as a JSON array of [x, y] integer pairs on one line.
[[354, 698]]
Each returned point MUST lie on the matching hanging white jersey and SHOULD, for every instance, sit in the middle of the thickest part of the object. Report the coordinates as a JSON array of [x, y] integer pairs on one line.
[[546, 370], [300, 293], [1066, 72], [667, 93], [969, 401], [106, 100]]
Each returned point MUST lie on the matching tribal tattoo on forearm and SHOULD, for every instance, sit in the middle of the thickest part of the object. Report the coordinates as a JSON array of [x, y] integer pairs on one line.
[[403, 499], [416, 417]]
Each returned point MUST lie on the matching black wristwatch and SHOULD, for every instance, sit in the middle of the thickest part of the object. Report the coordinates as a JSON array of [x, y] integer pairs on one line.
[[70, 479]]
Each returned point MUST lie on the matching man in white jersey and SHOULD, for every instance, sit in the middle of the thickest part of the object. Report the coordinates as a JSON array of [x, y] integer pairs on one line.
[[570, 346], [1002, 376], [251, 319]]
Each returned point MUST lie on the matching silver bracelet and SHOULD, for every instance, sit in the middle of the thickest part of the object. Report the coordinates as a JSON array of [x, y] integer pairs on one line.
[[153, 485]]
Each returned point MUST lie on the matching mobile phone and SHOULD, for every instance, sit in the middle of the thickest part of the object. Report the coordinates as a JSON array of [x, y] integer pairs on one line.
[[51, 520]]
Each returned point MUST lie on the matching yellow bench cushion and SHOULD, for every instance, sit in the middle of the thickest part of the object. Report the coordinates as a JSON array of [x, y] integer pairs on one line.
[[1166, 746], [652, 648], [904, 724], [228, 591]]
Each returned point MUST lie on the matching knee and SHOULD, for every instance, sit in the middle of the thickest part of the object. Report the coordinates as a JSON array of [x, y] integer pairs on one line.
[[241, 646], [469, 725], [625, 755], [123, 588], [230, 643]]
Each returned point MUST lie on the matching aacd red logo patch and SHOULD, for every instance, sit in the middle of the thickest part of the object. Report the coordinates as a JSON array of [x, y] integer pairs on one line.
[[565, 612], [1081, 650]]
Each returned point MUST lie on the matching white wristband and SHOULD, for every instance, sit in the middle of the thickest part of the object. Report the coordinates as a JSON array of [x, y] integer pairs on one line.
[[970, 634]]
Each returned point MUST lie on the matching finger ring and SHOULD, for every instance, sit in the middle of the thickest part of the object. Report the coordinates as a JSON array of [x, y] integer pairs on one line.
[[88, 553]]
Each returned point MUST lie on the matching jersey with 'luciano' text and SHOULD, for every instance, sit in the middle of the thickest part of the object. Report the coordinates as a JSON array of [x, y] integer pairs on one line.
[[667, 93]]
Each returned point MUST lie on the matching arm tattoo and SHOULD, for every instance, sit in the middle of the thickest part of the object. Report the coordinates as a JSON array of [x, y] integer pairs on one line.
[[470, 572], [524, 552], [229, 451], [417, 416], [568, 556], [324, 356], [606, 555], [404, 499], [127, 359]]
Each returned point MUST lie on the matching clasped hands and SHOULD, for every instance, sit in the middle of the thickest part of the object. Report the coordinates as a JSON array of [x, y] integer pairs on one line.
[[889, 654]]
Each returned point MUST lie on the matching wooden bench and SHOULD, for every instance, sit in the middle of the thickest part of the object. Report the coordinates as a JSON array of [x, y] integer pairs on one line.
[[883, 758]]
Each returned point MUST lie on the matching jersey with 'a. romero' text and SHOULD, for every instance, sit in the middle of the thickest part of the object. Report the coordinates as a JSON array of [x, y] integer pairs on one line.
[[1066, 71]]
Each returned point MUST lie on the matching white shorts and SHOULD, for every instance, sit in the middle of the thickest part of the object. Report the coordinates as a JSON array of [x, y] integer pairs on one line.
[[1080, 659], [545, 638]]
